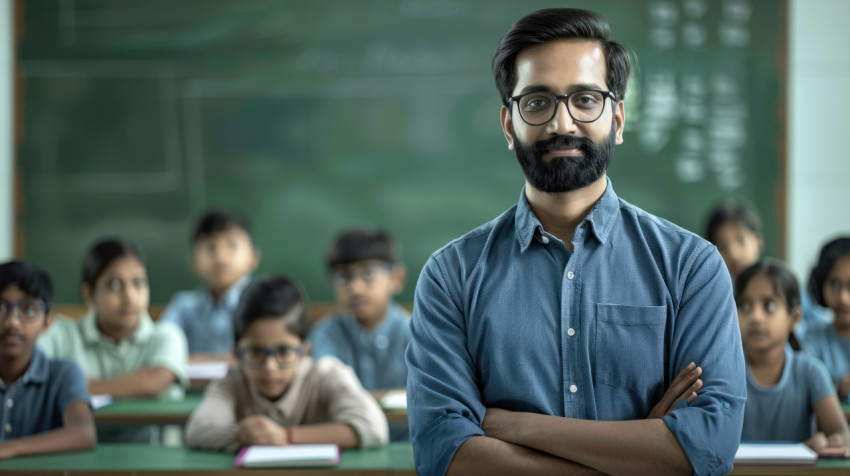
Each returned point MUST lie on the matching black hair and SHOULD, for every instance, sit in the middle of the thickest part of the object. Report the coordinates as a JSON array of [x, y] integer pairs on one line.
[[829, 254], [553, 24], [216, 220], [30, 279], [784, 284], [103, 253], [361, 244], [275, 297], [732, 211]]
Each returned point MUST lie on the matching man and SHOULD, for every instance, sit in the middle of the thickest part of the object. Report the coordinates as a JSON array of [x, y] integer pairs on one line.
[[543, 340]]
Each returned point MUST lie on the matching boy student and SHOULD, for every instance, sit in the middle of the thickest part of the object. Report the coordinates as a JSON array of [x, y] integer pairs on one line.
[[543, 341], [224, 256], [372, 331], [278, 395], [45, 403]]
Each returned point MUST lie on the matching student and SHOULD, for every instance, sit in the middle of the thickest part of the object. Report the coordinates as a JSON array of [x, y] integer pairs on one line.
[[372, 331], [223, 256], [829, 284], [277, 395], [735, 229], [45, 403], [789, 394], [120, 349]]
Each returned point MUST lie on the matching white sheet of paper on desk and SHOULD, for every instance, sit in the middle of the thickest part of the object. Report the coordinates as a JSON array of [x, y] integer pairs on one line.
[[207, 370], [796, 454], [287, 456], [394, 400], [100, 401]]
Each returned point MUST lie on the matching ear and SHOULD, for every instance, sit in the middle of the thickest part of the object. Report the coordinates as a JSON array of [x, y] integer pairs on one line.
[[620, 117], [306, 346], [399, 274], [88, 294], [507, 124], [257, 256], [48, 321], [193, 261], [796, 316]]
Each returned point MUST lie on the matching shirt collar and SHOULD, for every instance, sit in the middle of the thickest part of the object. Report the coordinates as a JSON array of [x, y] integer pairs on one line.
[[601, 218], [91, 334], [230, 298]]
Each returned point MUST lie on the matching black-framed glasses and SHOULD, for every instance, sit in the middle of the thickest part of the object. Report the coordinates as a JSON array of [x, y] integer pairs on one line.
[[539, 107], [255, 356], [27, 310], [343, 277]]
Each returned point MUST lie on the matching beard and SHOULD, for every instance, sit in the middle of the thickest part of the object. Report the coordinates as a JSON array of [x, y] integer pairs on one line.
[[565, 174]]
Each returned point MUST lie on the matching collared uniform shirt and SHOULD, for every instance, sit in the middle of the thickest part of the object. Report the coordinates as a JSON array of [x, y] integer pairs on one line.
[[506, 316], [151, 345], [785, 411], [322, 391], [830, 348], [207, 323], [376, 355], [36, 402]]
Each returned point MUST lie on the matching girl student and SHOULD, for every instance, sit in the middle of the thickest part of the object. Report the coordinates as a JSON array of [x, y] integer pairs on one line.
[[829, 284], [122, 352], [789, 394]]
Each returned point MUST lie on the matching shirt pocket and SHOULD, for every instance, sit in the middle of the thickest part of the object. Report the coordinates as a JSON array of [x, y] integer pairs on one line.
[[630, 347]]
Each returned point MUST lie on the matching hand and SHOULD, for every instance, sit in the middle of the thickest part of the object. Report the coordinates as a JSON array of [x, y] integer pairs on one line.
[[844, 387], [832, 446], [260, 430], [684, 386]]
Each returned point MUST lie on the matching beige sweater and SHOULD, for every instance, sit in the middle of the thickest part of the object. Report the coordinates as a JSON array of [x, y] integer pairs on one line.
[[322, 391]]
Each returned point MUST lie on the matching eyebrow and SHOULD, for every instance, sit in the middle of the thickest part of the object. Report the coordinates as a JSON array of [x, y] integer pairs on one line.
[[536, 88]]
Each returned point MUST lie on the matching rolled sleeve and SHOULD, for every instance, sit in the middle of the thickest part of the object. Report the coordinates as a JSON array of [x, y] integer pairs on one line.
[[168, 349], [444, 403], [212, 423], [706, 332], [350, 403], [72, 384]]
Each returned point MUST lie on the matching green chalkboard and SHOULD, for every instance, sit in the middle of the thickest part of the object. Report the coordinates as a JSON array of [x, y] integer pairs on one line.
[[314, 116]]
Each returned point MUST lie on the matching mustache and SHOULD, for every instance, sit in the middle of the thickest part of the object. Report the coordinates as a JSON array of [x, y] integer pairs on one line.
[[562, 141]]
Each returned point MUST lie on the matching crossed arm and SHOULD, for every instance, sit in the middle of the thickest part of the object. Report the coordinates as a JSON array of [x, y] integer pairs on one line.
[[545, 444], [141, 383]]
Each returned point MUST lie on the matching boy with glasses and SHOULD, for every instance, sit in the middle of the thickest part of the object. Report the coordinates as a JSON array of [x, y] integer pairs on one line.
[[278, 395], [44, 402], [372, 331]]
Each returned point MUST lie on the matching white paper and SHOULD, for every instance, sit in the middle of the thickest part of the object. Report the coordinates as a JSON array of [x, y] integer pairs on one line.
[[394, 400], [207, 370], [295, 455], [775, 453], [100, 401]]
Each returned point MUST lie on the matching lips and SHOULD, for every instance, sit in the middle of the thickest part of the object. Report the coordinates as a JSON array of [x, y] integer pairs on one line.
[[12, 339], [757, 334]]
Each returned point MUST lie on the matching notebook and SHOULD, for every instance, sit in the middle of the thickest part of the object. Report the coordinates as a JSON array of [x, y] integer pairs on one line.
[[793, 454], [100, 401], [296, 456], [394, 400], [207, 370]]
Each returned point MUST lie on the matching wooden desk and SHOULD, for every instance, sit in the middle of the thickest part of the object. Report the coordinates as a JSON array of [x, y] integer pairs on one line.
[[130, 459], [171, 412]]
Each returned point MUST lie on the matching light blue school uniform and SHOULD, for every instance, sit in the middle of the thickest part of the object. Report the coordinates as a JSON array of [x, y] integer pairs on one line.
[[207, 323], [36, 402], [814, 315], [830, 348], [785, 411], [376, 355]]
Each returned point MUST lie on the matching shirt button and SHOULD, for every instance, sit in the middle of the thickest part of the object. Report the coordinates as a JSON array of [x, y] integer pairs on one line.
[[573, 389], [9, 403], [382, 341], [571, 332], [570, 275], [544, 240], [8, 428]]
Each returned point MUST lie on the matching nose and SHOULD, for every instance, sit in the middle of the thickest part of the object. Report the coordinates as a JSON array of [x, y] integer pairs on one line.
[[562, 123]]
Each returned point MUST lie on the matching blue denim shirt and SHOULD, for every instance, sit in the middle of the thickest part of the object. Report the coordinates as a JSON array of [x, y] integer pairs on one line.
[[207, 323], [36, 402], [507, 317], [376, 355]]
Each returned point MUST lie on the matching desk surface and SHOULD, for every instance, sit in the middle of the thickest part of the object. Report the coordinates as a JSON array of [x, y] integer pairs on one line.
[[124, 459], [163, 411]]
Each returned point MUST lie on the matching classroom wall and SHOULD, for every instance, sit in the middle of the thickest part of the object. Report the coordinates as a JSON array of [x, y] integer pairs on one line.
[[818, 157], [6, 133], [819, 144]]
